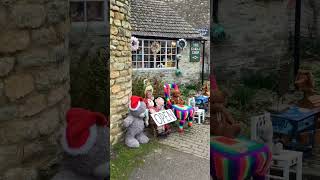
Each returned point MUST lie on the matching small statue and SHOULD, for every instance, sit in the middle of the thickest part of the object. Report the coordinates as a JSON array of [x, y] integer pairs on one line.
[[165, 129], [224, 124], [205, 90], [176, 97]]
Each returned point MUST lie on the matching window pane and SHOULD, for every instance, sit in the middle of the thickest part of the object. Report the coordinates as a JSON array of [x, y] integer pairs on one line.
[[95, 11], [146, 44], [139, 64], [77, 11], [134, 65], [163, 44], [134, 58]]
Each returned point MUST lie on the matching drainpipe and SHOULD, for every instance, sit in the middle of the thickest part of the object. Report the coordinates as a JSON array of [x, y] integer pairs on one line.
[[297, 38], [203, 51]]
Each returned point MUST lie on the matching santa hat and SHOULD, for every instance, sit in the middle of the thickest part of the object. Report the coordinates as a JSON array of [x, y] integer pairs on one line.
[[135, 103], [81, 131]]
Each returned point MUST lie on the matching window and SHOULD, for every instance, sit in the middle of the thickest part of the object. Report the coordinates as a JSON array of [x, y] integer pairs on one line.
[[87, 10], [145, 58]]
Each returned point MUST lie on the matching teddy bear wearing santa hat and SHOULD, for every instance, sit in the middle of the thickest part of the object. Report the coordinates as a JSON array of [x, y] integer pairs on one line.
[[85, 142], [135, 123]]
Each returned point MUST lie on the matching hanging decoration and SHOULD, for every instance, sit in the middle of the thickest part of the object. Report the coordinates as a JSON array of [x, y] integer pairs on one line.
[[173, 44], [182, 43], [134, 43], [179, 56], [155, 47]]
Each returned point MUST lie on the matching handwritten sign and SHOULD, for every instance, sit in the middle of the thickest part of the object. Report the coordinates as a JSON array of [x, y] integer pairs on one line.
[[163, 117], [195, 51]]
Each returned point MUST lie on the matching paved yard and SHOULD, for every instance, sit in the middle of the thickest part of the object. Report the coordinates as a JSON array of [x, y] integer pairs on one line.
[[195, 140]]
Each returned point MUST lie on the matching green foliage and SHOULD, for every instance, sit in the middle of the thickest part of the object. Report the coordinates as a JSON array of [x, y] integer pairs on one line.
[[242, 97], [259, 80], [127, 159], [187, 89], [90, 83], [138, 87], [310, 48]]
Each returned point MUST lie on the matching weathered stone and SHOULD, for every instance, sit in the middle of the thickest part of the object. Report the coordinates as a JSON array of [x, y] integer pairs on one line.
[[120, 4], [114, 74], [48, 122], [117, 22], [9, 156], [46, 78], [56, 95], [34, 57], [118, 15], [18, 131], [57, 11], [115, 89], [6, 65], [12, 41], [44, 36], [115, 8], [2, 95], [26, 15], [8, 113], [114, 30], [31, 150], [21, 174], [33, 105], [19, 85]]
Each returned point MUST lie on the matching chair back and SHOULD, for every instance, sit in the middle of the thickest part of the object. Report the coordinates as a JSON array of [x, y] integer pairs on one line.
[[167, 93], [192, 102], [257, 123]]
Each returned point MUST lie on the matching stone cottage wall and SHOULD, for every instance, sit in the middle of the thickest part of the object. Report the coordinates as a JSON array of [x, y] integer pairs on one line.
[[191, 71], [257, 37], [34, 84], [120, 66]]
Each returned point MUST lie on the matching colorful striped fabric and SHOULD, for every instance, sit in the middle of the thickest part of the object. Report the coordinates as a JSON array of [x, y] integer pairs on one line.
[[238, 159], [183, 113]]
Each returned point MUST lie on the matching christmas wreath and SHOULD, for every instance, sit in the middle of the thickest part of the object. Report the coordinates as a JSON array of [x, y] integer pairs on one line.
[[134, 43], [182, 43], [155, 47]]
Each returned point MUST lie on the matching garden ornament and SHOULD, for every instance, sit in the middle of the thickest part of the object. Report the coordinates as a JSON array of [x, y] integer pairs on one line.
[[305, 83], [165, 129], [176, 97], [223, 124], [134, 43], [182, 43], [135, 123], [86, 146]]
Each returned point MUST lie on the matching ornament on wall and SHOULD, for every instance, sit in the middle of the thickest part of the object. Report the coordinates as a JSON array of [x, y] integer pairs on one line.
[[179, 56], [182, 43], [178, 72], [134, 43], [155, 47]]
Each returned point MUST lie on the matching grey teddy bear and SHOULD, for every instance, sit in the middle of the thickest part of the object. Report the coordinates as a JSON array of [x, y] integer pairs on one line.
[[135, 123], [85, 143]]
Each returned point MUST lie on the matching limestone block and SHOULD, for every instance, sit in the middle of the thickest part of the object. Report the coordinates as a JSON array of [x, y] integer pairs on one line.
[[21, 174], [34, 57], [31, 16], [57, 11], [44, 36], [33, 105], [18, 86], [12, 41], [48, 121], [6, 65], [56, 95], [9, 156], [8, 112]]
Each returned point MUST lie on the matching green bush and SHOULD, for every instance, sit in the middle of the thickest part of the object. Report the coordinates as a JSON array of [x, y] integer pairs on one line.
[[242, 97], [90, 83], [138, 87]]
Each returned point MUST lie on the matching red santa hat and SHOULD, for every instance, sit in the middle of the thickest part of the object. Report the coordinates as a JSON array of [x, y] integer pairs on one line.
[[81, 131], [135, 103]]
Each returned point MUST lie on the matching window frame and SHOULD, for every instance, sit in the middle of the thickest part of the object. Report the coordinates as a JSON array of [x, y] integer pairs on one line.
[[85, 12], [154, 56]]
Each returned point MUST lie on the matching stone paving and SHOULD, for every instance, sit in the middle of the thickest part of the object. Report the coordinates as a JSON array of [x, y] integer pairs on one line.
[[195, 140]]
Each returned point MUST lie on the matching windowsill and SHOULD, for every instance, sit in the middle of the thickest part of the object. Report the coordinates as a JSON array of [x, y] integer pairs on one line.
[[155, 69]]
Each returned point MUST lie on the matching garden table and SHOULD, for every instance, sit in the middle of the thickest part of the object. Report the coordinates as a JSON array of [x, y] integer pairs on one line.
[[238, 159], [293, 122]]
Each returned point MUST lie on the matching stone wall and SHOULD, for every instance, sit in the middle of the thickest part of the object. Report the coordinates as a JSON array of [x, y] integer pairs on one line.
[[257, 37], [34, 84], [191, 71], [120, 66]]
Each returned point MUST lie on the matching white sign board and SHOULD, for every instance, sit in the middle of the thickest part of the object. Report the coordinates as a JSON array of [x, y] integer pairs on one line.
[[164, 117]]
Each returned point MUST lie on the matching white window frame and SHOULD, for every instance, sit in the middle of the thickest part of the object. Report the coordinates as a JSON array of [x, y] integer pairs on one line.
[[85, 12], [154, 56]]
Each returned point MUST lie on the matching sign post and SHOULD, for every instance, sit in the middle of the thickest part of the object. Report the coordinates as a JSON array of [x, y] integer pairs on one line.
[[195, 51], [163, 117]]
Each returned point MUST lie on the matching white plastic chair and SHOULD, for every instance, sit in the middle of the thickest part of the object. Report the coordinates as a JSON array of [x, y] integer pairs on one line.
[[287, 161], [199, 114]]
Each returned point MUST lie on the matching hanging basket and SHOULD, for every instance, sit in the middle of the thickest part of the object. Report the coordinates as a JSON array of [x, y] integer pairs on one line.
[[155, 47], [134, 43], [182, 43]]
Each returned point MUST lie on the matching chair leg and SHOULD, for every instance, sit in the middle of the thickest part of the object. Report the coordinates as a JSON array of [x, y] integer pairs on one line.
[[286, 172], [299, 168]]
